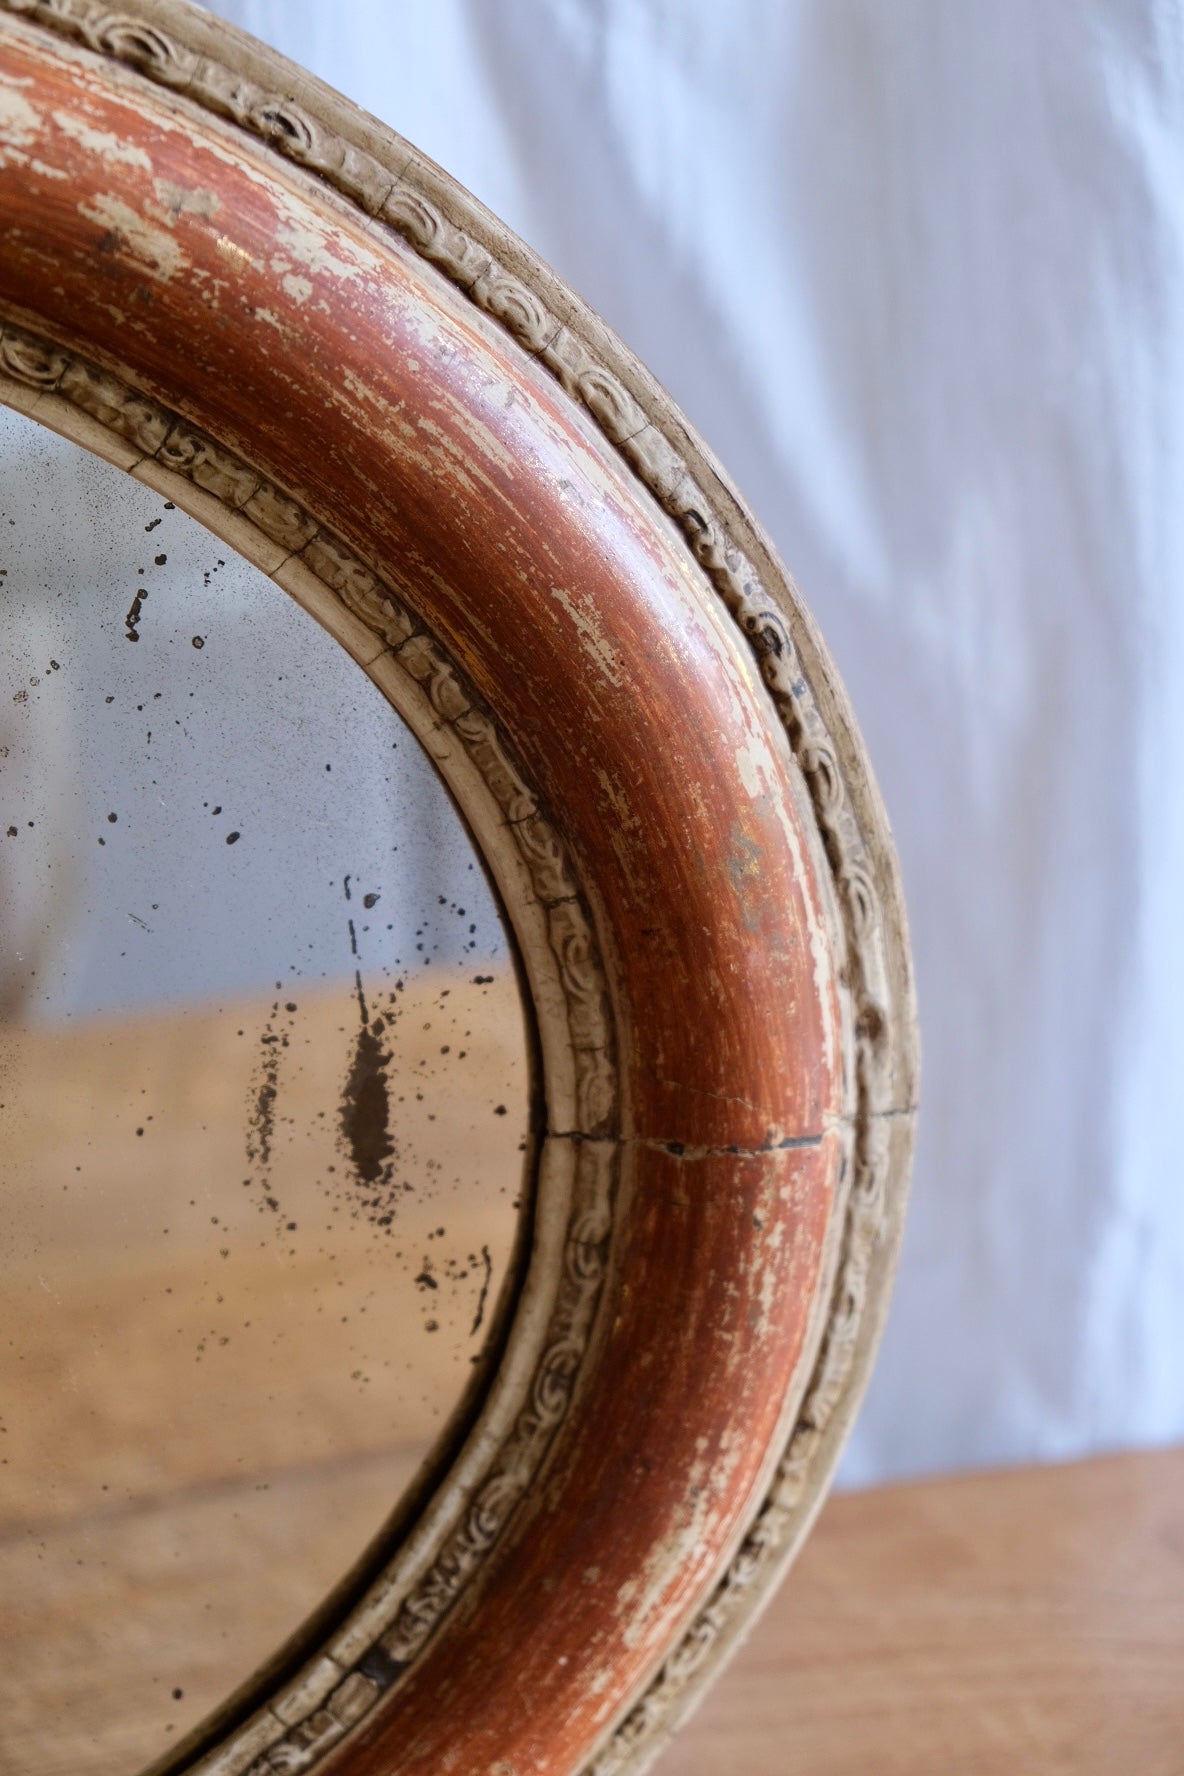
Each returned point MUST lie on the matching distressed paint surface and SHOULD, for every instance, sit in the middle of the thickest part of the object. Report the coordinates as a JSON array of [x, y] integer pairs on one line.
[[438, 444], [342, 366], [589, 1598]]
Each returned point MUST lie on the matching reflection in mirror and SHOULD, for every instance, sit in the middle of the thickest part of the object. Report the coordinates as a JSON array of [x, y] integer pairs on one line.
[[263, 1109]]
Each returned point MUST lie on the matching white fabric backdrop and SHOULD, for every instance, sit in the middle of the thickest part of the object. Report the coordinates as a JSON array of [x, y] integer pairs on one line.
[[916, 270]]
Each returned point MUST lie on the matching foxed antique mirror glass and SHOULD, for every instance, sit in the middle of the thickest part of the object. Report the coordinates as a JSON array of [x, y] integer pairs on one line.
[[263, 1110]]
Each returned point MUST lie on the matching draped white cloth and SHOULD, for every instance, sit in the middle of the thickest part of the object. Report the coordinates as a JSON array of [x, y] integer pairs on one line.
[[916, 271]]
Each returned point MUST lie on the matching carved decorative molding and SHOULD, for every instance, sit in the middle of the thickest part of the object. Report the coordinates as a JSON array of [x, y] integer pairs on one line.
[[171, 47], [406, 1623]]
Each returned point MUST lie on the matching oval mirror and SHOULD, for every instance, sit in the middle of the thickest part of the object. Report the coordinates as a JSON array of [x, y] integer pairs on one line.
[[275, 316]]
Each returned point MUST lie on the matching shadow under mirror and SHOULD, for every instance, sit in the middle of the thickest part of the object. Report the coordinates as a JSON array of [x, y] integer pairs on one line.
[[263, 1112]]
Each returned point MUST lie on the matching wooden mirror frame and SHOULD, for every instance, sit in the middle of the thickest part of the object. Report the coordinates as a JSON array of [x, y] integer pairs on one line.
[[226, 279]]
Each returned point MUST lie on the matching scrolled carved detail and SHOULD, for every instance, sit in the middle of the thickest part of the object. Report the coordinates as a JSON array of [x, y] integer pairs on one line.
[[153, 52], [596, 1090], [489, 1509], [190, 453], [586, 1258], [822, 774], [362, 593], [41, 365], [306, 1744], [587, 1250], [427, 663], [414, 218], [642, 1723], [611, 405], [573, 942], [141, 422], [279, 517], [423, 227], [35, 362], [554, 1378], [766, 1535], [694, 1649], [288, 127], [486, 748], [545, 859], [519, 310], [859, 895]]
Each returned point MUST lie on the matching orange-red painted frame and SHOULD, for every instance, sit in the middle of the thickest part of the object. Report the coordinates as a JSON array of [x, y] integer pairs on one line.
[[240, 288]]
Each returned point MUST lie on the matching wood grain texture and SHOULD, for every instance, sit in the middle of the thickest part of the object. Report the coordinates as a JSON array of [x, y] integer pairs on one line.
[[1027, 1620], [208, 1408], [105, 1621], [275, 304]]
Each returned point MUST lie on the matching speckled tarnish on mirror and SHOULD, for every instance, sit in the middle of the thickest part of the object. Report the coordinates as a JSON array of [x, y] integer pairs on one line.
[[269, 309], [263, 1113]]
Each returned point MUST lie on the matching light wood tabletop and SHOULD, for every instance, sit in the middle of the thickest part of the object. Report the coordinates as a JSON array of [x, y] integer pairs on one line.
[[1026, 1621], [233, 1325]]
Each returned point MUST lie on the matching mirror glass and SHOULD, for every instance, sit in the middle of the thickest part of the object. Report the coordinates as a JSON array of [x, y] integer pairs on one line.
[[263, 1113]]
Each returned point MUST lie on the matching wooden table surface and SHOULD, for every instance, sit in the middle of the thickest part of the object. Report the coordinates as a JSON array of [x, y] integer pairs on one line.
[[1029, 1621], [227, 1344], [196, 1439]]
